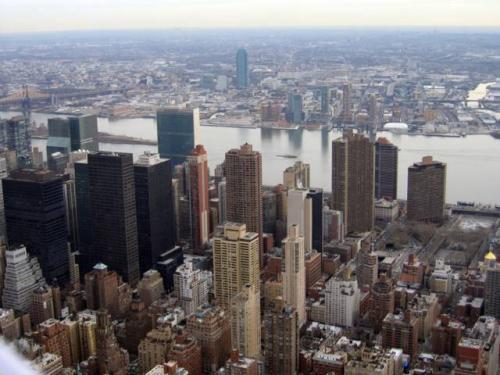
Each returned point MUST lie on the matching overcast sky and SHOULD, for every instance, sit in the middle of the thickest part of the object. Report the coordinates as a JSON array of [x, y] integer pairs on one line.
[[55, 15]]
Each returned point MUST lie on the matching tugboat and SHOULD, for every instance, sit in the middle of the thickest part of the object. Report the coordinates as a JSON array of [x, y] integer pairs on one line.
[[495, 134]]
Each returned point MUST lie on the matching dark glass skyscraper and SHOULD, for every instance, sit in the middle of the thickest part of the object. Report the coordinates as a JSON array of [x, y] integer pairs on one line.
[[72, 134], [241, 68], [155, 208], [36, 217], [178, 131], [294, 109], [15, 135], [386, 169], [84, 215], [113, 213], [317, 218]]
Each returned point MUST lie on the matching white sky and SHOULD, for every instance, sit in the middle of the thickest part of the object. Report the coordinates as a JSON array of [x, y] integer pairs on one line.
[[55, 15]]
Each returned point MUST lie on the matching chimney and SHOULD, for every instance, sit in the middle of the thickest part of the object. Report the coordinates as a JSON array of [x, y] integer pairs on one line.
[[235, 355], [170, 367]]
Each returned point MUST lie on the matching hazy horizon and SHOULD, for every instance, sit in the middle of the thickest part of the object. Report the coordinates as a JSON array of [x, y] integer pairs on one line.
[[29, 16]]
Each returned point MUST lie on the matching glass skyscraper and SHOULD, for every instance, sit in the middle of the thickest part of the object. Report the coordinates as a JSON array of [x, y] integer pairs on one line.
[[241, 68], [178, 133], [72, 134]]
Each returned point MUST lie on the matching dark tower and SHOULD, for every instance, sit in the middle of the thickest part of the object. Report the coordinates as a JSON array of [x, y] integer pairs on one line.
[[317, 218], [84, 216], [155, 209], [386, 169], [114, 221], [36, 217]]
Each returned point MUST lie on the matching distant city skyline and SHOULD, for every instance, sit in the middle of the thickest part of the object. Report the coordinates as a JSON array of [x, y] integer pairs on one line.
[[59, 15]]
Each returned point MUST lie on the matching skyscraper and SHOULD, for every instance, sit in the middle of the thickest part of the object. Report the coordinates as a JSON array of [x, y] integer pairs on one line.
[[113, 209], [352, 181], [235, 262], [491, 295], [294, 274], [110, 357], [212, 329], [84, 215], [426, 191], [36, 217], [197, 190], [325, 99], [386, 170], [245, 321], [346, 104], [297, 176], [299, 213], [16, 136], [244, 189], [281, 339], [3, 174], [72, 134], [241, 68], [316, 196], [342, 297], [42, 305], [178, 132], [191, 287], [367, 266], [294, 113], [155, 208], [23, 275], [382, 302]]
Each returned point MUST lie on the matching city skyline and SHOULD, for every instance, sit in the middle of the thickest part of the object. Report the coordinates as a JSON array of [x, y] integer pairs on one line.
[[57, 15]]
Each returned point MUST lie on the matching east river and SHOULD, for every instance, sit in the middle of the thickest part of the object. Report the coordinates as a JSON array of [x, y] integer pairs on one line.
[[473, 162]]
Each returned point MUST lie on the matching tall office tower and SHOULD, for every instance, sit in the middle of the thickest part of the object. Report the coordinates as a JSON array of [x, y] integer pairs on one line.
[[178, 133], [346, 104], [373, 115], [342, 297], [72, 134], [42, 305], [325, 99], [155, 347], [150, 288], [221, 193], [35, 217], [197, 191], [316, 196], [242, 69], [113, 209], [211, 327], [51, 334], [333, 225], [235, 262], [69, 193], [352, 181], [297, 176], [299, 213], [154, 207], [23, 275], [104, 289], [281, 339], [240, 365], [426, 191], [294, 111], [245, 321], [111, 359], [3, 249], [244, 189], [191, 287], [492, 285], [187, 353], [386, 170], [17, 137], [3, 174], [269, 211], [281, 213], [401, 331], [382, 302], [294, 272], [367, 266]]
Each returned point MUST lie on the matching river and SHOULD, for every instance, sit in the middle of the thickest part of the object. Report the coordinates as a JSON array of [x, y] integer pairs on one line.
[[473, 162]]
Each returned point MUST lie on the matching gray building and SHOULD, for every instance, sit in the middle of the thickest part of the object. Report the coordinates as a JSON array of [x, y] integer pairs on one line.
[[241, 68]]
